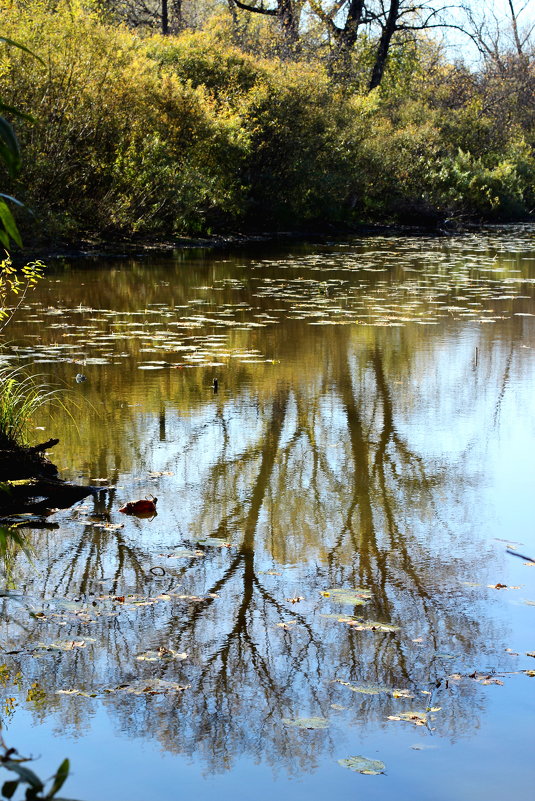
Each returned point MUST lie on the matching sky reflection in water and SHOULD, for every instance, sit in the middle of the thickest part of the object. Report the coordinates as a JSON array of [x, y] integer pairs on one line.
[[372, 431]]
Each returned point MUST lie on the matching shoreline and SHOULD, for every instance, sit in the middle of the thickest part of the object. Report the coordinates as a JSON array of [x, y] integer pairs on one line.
[[103, 247]]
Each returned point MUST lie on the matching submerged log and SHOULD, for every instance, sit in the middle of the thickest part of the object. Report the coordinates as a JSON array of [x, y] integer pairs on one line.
[[27, 462], [30, 485]]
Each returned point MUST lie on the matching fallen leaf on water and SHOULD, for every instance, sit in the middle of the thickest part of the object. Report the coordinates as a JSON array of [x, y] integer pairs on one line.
[[214, 542], [484, 678], [160, 654], [152, 687], [530, 673], [64, 645], [403, 694], [306, 723], [352, 597], [365, 689], [295, 600], [182, 553], [502, 587], [143, 507], [360, 764], [418, 718], [371, 625], [530, 653]]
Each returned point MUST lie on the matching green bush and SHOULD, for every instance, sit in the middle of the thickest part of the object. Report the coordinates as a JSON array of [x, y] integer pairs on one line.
[[164, 136]]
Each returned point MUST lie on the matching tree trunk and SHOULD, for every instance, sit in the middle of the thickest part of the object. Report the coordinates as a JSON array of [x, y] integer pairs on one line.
[[165, 18], [381, 56], [345, 39], [176, 16]]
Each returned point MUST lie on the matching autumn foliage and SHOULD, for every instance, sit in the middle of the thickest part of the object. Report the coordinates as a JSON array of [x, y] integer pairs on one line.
[[189, 135]]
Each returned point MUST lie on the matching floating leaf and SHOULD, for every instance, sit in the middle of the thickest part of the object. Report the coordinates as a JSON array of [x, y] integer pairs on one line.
[[353, 597], [418, 718], [161, 654], [365, 689], [64, 645], [360, 764], [183, 553], [363, 625], [151, 687], [306, 723], [214, 542], [402, 694]]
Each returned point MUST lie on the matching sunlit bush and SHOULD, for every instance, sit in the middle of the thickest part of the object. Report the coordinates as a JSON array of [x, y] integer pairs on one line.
[[165, 136]]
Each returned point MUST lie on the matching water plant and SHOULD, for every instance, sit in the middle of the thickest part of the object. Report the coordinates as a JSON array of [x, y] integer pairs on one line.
[[21, 396], [35, 787]]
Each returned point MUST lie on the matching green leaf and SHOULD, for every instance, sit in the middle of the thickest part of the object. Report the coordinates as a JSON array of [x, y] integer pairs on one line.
[[9, 788], [16, 112], [20, 46], [59, 779], [13, 200], [8, 221], [25, 774]]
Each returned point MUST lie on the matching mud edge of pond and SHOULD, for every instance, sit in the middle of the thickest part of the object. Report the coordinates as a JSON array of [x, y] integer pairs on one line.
[[113, 247]]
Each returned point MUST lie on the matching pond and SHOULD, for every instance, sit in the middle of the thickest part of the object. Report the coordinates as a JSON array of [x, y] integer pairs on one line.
[[332, 582]]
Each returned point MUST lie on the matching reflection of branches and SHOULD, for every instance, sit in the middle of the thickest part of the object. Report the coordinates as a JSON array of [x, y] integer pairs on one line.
[[321, 474]]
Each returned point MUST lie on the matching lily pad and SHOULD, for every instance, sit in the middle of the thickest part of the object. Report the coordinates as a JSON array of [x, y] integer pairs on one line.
[[418, 718], [353, 597], [365, 689], [214, 542], [360, 764], [306, 723], [360, 624]]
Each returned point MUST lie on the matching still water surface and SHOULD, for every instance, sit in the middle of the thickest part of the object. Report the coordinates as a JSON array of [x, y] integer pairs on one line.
[[373, 432]]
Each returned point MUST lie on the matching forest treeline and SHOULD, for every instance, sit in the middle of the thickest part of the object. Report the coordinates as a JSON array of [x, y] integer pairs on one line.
[[229, 121]]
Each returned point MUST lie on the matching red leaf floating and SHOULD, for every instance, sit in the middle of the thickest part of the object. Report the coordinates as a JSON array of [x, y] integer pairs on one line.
[[143, 508]]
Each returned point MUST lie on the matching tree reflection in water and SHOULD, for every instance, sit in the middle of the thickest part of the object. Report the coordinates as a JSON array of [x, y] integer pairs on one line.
[[314, 481]]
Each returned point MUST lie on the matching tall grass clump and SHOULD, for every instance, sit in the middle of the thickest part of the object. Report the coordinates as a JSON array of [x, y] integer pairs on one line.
[[21, 397]]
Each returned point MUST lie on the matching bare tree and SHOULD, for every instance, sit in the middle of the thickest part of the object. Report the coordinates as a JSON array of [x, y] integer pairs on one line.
[[286, 12]]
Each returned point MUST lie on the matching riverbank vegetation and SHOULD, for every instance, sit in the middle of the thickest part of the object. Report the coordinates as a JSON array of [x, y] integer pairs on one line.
[[234, 122]]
